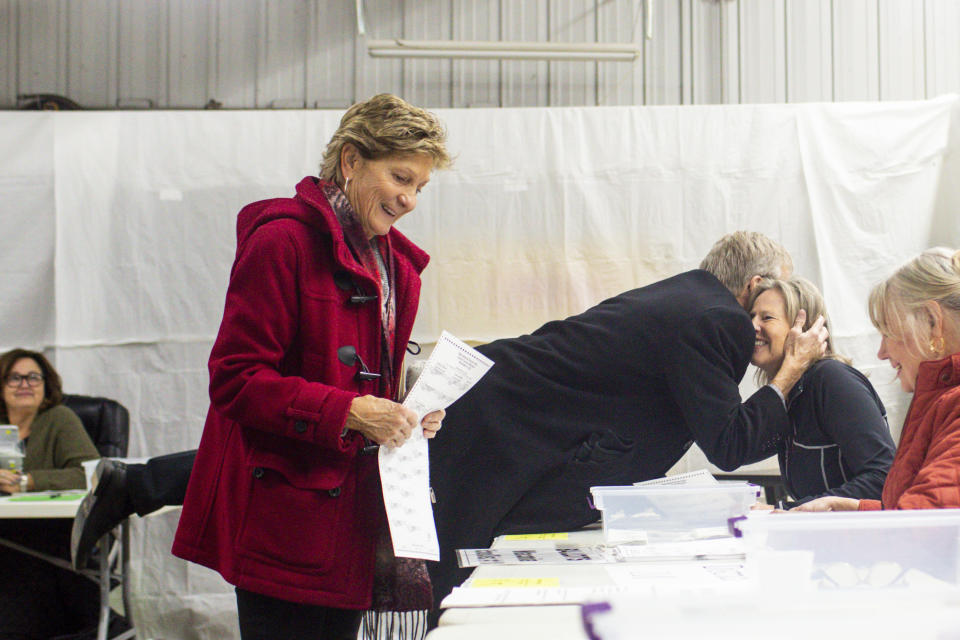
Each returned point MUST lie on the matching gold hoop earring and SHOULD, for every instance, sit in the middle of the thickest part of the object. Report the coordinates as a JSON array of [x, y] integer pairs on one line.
[[936, 345]]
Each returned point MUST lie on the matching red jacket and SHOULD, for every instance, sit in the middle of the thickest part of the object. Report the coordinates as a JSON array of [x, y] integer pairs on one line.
[[926, 469], [278, 502]]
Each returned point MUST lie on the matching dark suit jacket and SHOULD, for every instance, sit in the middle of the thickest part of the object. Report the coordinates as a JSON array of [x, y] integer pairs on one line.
[[614, 395]]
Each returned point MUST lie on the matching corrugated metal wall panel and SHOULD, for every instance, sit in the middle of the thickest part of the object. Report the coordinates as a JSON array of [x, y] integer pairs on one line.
[[663, 59], [523, 82], [384, 20], [142, 57], [730, 52], [188, 74], [572, 82], [809, 50], [428, 81], [702, 47], [763, 66], [42, 47], [900, 44], [621, 21], [331, 54], [856, 66], [237, 47], [942, 60], [8, 52], [91, 52], [295, 53], [281, 63], [476, 83]]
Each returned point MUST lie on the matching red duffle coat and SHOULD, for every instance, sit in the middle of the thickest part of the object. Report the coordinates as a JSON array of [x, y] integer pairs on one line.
[[278, 502], [926, 468]]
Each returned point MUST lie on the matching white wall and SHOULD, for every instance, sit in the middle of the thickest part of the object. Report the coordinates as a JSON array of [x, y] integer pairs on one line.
[[307, 53]]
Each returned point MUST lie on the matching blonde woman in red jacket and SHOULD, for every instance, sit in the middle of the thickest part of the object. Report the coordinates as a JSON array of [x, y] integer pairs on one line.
[[284, 496], [917, 310]]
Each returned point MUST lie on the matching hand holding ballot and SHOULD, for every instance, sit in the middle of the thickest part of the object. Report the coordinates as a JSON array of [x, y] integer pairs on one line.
[[432, 423], [381, 420], [451, 370], [388, 423]]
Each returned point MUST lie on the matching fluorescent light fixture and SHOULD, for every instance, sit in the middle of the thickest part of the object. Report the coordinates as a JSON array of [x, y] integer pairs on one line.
[[501, 50]]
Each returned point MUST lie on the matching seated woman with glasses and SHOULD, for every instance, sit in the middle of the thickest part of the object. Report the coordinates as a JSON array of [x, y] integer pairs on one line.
[[37, 598], [839, 443], [52, 438]]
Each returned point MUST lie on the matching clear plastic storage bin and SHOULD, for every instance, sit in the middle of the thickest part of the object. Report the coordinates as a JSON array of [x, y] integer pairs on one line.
[[632, 513], [9, 436], [884, 549], [10, 457], [11, 460]]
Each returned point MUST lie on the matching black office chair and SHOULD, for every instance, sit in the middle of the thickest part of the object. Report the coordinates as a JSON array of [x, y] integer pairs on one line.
[[107, 421], [108, 424]]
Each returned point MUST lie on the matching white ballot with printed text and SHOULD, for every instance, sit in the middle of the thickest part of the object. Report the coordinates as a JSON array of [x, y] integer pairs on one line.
[[451, 370]]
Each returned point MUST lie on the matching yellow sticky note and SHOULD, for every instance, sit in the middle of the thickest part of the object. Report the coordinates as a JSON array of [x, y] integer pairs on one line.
[[515, 582], [536, 536]]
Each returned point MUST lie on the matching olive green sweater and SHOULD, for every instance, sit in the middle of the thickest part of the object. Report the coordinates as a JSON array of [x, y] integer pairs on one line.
[[57, 445]]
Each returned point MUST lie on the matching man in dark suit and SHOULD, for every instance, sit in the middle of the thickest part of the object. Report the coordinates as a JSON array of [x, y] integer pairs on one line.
[[612, 396]]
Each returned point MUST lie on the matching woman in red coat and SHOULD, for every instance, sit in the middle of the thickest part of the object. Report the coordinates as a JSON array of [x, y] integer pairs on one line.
[[284, 498], [917, 310]]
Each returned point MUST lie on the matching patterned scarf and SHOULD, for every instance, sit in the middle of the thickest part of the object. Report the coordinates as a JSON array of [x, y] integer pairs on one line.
[[402, 594], [370, 257]]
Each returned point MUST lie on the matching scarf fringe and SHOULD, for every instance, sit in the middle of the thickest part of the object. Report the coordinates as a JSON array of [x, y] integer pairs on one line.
[[394, 625]]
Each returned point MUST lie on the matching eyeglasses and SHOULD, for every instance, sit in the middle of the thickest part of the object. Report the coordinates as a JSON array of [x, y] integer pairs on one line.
[[33, 379]]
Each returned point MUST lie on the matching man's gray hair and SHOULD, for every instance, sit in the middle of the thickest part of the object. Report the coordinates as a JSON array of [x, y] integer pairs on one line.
[[738, 256]]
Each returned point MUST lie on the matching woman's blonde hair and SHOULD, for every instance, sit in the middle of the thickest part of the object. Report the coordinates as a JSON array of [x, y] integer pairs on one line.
[[382, 126], [798, 293], [898, 305]]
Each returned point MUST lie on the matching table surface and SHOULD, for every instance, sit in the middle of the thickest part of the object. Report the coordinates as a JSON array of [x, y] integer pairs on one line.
[[558, 622], [54, 506]]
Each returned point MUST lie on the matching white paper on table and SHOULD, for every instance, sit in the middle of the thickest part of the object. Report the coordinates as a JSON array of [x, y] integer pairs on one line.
[[728, 548], [698, 477], [676, 576], [451, 370], [507, 596]]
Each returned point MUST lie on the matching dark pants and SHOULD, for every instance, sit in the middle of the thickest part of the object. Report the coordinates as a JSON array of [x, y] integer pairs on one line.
[[160, 482], [265, 618]]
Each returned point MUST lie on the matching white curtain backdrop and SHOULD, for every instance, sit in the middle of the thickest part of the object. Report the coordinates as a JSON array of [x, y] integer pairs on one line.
[[118, 236]]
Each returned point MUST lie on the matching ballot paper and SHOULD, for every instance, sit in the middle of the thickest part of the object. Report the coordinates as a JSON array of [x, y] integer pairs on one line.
[[698, 477], [729, 549], [451, 370], [568, 555]]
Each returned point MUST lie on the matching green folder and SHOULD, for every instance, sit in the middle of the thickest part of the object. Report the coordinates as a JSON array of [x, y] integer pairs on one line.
[[47, 497]]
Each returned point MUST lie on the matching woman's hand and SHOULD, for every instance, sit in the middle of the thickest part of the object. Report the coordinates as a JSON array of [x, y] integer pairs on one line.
[[381, 420], [829, 503], [431, 423], [9, 481]]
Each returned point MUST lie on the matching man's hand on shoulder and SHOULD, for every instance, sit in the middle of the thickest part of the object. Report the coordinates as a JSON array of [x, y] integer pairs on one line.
[[800, 350]]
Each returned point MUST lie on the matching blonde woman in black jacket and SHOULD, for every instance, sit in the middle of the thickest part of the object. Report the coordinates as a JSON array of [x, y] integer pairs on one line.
[[839, 441]]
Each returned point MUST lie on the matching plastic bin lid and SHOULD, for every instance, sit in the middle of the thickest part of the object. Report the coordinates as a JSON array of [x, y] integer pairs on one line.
[[846, 520], [742, 489]]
